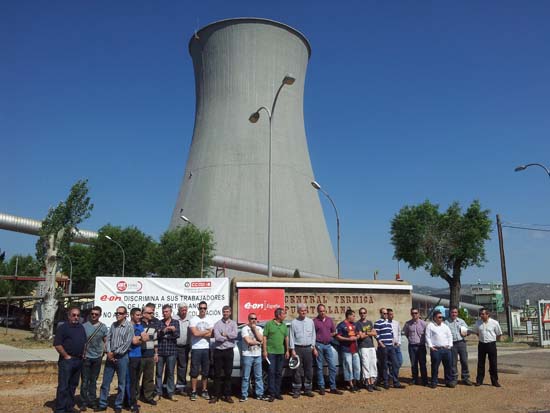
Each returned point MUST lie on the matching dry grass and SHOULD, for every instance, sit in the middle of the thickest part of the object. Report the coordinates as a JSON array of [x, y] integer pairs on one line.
[[21, 339]]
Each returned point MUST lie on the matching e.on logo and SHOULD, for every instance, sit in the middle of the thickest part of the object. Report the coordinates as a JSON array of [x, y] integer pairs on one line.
[[121, 286], [253, 306], [106, 297]]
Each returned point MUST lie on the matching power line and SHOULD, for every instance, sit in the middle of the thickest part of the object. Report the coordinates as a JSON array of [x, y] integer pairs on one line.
[[526, 228]]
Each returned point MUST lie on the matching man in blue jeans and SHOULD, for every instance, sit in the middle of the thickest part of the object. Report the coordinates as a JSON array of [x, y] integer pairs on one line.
[[252, 335], [440, 342], [325, 331], [275, 350], [168, 331], [70, 338], [96, 333], [119, 340]]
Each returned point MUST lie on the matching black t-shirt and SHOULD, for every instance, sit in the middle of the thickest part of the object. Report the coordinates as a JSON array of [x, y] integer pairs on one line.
[[365, 327], [72, 337]]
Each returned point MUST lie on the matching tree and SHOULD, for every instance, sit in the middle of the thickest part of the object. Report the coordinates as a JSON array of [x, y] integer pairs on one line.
[[106, 256], [57, 232], [83, 277], [183, 252], [26, 266], [444, 244]]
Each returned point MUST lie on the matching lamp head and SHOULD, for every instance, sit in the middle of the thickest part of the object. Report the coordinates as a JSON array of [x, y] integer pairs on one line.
[[254, 117], [108, 237], [289, 79], [184, 218], [316, 185], [520, 168]]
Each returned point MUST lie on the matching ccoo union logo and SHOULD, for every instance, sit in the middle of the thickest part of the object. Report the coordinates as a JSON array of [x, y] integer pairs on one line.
[[129, 287], [201, 284]]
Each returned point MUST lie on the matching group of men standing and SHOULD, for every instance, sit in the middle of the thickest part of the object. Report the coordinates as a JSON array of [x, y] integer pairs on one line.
[[139, 347]]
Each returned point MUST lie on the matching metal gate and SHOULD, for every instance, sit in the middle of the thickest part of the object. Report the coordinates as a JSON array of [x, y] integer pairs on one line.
[[544, 322]]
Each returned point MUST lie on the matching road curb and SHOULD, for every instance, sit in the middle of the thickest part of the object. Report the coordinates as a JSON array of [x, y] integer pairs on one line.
[[27, 367]]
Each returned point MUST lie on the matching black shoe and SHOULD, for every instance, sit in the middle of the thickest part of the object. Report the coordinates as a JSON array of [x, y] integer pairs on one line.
[[451, 385], [467, 382], [478, 383], [295, 395], [433, 386], [279, 397], [118, 410], [370, 388], [376, 388], [398, 386], [213, 400], [336, 391], [152, 402], [100, 409], [309, 394], [228, 399], [413, 382], [496, 384], [322, 392], [270, 399], [386, 386]]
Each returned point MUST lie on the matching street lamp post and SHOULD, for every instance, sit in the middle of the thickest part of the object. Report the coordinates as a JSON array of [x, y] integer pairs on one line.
[[123, 254], [287, 80], [318, 187], [184, 218], [523, 167]]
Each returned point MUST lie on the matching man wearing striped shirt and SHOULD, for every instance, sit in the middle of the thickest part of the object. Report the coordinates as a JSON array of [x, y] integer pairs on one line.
[[386, 352], [119, 340]]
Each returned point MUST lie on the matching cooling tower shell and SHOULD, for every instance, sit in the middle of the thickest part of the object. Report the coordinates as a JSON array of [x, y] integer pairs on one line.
[[239, 64]]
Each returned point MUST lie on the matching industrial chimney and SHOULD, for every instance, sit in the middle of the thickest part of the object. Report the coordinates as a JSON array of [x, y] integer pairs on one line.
[[239, 66]]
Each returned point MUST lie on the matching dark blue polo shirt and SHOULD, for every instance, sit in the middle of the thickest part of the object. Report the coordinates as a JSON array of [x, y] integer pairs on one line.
[[72, 337]]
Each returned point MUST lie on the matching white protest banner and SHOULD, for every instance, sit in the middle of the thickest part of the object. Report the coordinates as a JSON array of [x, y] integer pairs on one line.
[[112, 292]]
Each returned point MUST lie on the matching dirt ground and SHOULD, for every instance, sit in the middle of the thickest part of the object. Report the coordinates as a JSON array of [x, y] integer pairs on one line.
[[525, 379]]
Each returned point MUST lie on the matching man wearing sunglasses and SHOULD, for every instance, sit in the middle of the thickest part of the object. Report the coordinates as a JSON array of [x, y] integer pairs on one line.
[[119, 340], [69, 342], [252, 335], [201, 331], [149, 353], [440, 342], [96, 334], [415, 331]]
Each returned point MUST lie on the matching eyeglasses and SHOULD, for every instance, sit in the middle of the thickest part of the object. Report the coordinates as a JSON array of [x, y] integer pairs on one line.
[[384, 313], [252, 319], [95, 314], [147, 312], [439, 317], [75, 314], [362, 313], [414, 312], [202, 308], [118, 313]]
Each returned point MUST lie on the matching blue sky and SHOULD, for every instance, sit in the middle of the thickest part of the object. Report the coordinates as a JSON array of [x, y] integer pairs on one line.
[[404, 101]]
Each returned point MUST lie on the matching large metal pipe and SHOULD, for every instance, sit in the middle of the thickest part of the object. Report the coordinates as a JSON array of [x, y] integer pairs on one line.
[[32, 227], [443, 301]]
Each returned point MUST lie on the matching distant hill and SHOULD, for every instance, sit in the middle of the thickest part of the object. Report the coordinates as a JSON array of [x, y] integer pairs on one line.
[[518, 292]]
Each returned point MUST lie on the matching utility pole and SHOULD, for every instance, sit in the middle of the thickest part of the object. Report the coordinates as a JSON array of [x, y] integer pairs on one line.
[[504, 280]]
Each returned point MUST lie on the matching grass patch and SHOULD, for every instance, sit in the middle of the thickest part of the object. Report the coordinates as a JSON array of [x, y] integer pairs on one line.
[[21, 339]]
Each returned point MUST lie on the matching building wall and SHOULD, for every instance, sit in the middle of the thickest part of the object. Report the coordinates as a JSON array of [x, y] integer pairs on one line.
[[239, 65]]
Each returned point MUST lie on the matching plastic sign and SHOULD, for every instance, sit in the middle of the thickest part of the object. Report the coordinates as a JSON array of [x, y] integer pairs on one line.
[[262, 302]]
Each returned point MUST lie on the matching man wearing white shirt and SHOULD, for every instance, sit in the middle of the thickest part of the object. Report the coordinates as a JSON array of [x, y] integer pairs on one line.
[[440, 342], [251, 360], [489, 332]]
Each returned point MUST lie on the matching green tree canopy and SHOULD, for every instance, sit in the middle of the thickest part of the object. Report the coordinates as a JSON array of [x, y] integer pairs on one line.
[[65, 216], [106, 256], [182, 252], [26, 266], [443, 243]]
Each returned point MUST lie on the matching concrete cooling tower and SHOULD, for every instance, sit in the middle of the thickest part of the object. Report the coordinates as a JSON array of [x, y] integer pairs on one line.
[[239, 66]]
